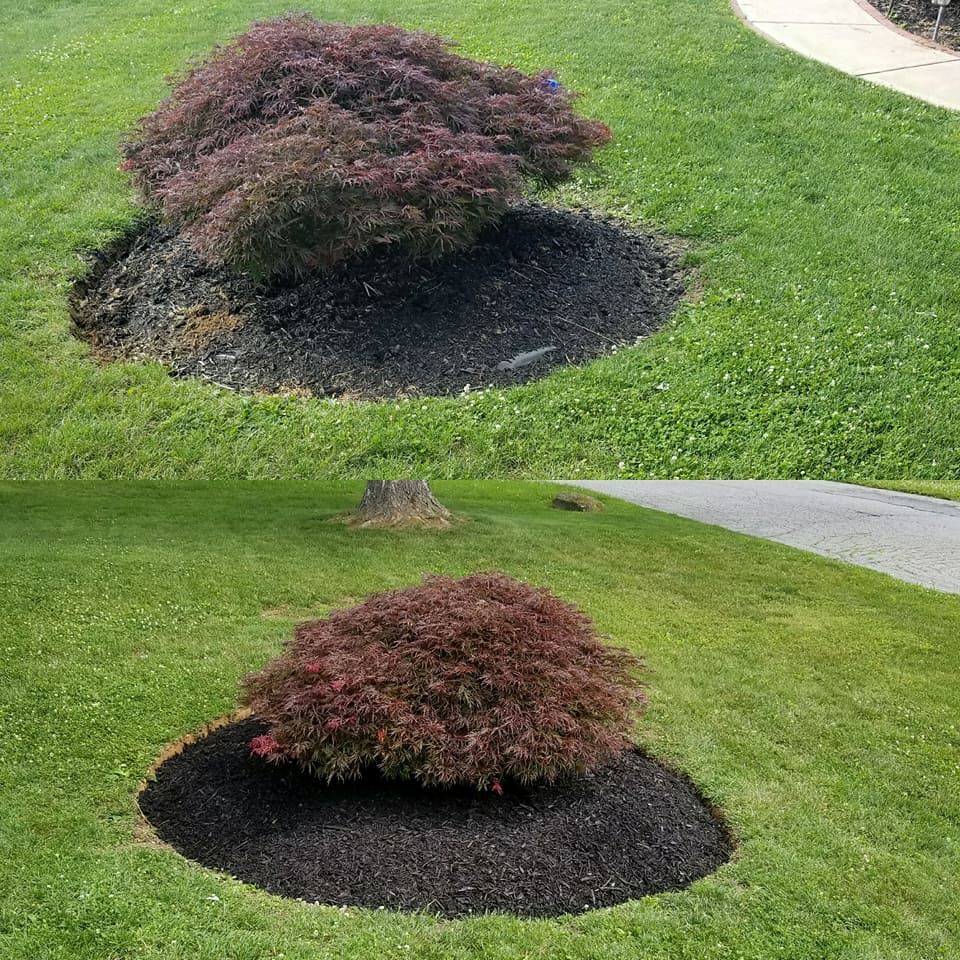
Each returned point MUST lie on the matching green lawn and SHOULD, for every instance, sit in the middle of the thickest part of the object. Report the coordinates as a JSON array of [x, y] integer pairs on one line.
[[945, 489], [820, 213], [817, 704]]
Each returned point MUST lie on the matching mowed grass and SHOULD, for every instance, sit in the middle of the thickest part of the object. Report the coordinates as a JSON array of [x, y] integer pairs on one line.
[[819, 215], [815, 703], [946, 489]]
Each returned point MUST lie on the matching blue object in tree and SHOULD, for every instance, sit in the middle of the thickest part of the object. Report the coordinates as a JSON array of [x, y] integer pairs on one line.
[[551, 83]]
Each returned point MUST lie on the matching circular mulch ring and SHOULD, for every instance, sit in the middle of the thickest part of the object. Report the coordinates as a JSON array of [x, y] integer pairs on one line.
[[631, 829], [544, 278]]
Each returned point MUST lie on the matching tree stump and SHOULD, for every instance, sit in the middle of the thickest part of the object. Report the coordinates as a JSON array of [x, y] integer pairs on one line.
[[399, 503], [576, 501]]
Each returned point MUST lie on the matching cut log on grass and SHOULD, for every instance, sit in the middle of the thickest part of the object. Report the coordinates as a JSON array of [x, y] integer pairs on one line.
[[399, 503]]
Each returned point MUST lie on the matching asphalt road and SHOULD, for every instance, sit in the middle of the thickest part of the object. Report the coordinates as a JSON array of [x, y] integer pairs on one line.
[[914, 538]]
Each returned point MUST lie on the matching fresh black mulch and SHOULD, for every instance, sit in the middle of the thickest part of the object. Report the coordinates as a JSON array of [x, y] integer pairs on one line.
[[574, 282], [919, 17], [631, 829]]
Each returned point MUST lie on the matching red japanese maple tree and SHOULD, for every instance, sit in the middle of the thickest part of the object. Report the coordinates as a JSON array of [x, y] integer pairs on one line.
[[476, 681], [301, 144]]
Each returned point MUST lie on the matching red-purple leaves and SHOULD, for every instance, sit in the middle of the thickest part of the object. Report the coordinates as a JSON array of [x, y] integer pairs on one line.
[[265, 746], [302, 144], [470, 681]]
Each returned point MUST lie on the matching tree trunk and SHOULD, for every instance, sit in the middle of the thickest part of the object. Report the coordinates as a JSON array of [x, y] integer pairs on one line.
[[399, 503]]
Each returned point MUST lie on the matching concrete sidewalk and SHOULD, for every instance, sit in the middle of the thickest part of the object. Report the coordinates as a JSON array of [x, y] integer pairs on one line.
[[851, 36], [909, 537]]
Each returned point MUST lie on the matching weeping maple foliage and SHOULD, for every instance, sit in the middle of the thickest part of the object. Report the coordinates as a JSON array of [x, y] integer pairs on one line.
[[479, 681], [301, 144]]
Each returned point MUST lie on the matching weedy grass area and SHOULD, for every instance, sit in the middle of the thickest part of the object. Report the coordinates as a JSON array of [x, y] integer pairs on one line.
[[818, 214], [814, 703]]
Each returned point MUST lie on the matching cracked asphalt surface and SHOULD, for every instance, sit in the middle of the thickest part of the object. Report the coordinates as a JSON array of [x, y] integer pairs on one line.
[[910, 537]]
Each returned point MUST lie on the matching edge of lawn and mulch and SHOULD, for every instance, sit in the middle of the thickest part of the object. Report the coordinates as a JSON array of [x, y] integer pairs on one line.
[[544, 288], [633, 828]]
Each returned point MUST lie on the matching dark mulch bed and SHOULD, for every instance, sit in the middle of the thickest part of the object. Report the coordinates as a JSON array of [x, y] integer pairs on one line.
[[632, 829], [575, 282], [919, 16]]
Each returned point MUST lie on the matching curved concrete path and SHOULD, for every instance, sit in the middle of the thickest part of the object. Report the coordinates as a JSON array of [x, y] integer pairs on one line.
[[907, 536], [852, 36]]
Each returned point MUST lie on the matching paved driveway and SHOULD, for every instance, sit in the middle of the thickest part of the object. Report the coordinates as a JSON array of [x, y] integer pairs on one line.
[[914, 538]]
